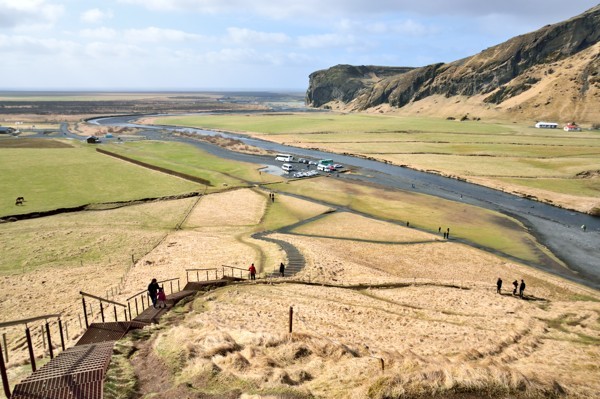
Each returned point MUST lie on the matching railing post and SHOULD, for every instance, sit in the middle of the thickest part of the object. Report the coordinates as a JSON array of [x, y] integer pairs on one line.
[[4, 375], [125, 312], [30, 347], [207, 275], [187, 276], [115, 309], [5, 346], [62, 338], [49, 340], [102, 311], [178, 286], [129, 307], [137, 312], [291, 318], [197, 275], [171, 284], [85, 312], [143, 304]]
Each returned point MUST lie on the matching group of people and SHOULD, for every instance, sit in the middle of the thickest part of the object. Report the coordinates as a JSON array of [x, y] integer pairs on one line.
[[516, 286], [157, 294]]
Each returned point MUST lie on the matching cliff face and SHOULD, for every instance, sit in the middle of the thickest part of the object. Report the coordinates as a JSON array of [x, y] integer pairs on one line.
[[495, 75]]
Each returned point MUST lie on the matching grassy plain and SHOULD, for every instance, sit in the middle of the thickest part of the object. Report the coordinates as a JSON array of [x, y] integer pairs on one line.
[[482, 227], [193, 161], [511, 157], [68, 177]]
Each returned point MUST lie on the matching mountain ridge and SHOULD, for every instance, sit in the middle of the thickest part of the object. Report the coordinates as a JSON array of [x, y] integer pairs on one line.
[[495, 76]]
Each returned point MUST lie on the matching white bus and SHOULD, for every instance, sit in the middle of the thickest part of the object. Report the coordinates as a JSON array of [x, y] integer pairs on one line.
[[287, 167], [284, 158]]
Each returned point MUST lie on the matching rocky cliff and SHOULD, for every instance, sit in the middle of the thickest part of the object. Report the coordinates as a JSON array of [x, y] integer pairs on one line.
[[500, 77]]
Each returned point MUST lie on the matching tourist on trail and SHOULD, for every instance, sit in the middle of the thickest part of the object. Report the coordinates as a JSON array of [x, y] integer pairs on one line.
[[583, 227], [252, 270], [516, 285], [282, 270], [499, 285], [521, 288], [153, 291], [439, 229], [162, 298]]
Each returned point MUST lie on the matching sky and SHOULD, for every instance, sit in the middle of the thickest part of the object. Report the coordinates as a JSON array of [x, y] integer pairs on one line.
[[245, 44]]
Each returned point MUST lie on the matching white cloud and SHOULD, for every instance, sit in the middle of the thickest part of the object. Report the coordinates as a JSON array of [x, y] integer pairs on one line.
[[32, 45], [15, 13], [99, 33], [157, 35], [95, 15], [327, 40], [325, 9], [248, 36]]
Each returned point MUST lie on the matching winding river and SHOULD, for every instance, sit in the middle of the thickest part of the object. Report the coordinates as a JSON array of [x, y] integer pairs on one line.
[[556, 228]]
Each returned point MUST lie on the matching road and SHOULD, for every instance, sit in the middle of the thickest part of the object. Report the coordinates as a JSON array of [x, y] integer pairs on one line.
[[556, 228]]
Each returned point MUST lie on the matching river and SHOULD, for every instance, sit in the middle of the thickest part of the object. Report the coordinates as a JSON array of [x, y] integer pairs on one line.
[[556, 228]]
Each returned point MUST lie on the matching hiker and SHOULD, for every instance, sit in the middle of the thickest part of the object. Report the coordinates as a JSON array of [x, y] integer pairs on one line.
[[521, 288], [445, 235], [252, 270], [499, 286], [407, 224], [583, 227], [282, 269], [516, 285], [162, 298], [439, 229], [153, 288]]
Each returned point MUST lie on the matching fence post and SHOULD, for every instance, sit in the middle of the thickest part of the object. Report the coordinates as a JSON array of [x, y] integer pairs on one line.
[[62, 338], [5, 346], [291, 318], [4, 375], [84, 313], [30, 347], [49, 340]]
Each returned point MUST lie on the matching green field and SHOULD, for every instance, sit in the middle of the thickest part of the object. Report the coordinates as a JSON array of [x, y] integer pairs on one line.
[[519, 155], [481, 227]]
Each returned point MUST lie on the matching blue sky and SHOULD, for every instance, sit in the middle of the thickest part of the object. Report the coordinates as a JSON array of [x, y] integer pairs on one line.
[[245, 44]]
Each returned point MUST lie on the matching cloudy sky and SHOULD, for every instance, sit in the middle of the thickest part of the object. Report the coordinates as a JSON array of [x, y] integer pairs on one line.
[[245, 44]]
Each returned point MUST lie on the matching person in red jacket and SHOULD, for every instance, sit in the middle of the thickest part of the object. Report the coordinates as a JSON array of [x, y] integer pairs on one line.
[[252, 270], [162, 298]]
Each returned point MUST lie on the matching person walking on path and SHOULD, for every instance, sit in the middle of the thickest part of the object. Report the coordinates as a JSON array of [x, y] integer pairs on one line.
[[516, 285], [252, 270], [499, 286], [521, 288], [161, 298], [282, 270], [153, 288]]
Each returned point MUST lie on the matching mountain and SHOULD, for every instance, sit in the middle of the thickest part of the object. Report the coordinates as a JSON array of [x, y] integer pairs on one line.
[[552, 73]]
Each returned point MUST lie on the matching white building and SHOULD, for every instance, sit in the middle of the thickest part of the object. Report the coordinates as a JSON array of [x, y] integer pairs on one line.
[[546, 125]]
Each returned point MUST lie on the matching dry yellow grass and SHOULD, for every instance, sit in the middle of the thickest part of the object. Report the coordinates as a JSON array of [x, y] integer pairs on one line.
[[432, 335]]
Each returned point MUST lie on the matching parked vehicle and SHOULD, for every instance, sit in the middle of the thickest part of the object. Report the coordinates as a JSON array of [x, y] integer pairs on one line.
[[303, 160], [338, 166], [284, 158], [287, 167], [312, 163]]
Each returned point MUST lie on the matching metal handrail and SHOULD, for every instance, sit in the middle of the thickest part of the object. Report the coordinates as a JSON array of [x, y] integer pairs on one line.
[[187, 273], [102, 299], [29, 320]]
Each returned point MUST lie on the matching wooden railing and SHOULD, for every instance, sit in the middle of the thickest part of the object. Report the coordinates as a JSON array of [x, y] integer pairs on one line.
[[102, 301], [235, 271], [209, 273]]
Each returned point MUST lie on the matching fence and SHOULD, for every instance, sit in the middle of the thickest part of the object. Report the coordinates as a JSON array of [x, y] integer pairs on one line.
[[225, 271]]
